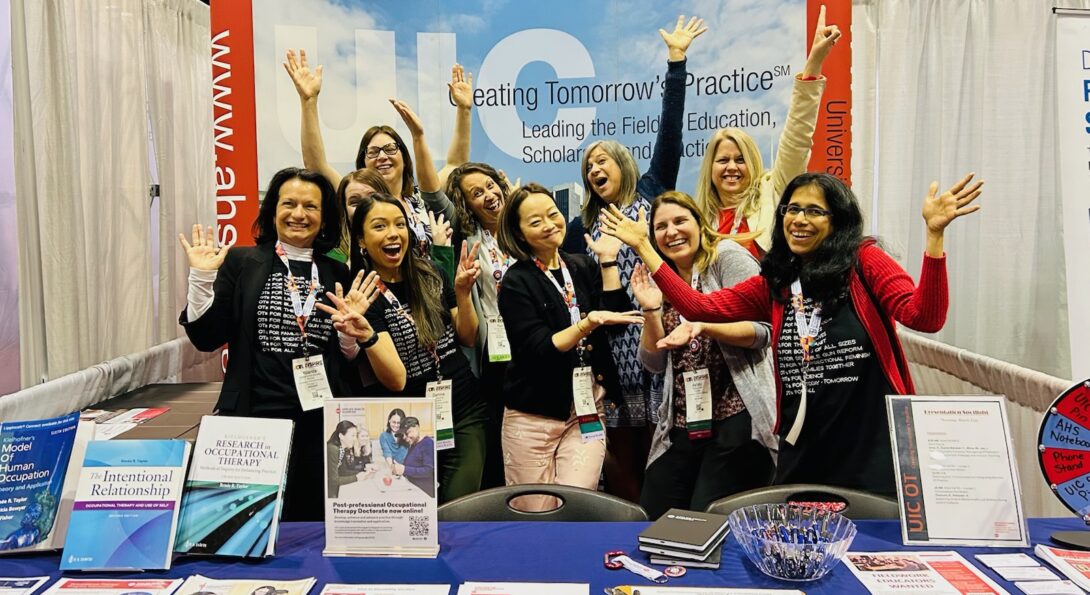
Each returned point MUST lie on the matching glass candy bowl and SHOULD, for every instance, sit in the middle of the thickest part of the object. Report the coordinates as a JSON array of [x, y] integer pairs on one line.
[[790, 542]]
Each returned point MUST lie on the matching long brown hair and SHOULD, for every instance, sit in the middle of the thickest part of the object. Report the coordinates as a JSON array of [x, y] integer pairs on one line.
[[467, 221]]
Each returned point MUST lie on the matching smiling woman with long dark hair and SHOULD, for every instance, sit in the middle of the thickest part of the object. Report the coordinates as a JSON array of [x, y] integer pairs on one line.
[[832, 297]]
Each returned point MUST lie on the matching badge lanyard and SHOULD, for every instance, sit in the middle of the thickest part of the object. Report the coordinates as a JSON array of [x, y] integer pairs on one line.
[[738, 218], [807, 332], [500, 261], [590, 425], [440, 390], [698, 394], [302, 309], [695, 284], [311, 383], [499, 350]]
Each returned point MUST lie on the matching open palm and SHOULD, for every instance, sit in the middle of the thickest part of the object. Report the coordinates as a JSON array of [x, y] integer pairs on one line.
[[203, 253], [308, 83]]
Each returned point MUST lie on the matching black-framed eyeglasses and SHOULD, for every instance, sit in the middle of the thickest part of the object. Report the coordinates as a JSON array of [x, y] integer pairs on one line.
[[811, 212], [389, 149]]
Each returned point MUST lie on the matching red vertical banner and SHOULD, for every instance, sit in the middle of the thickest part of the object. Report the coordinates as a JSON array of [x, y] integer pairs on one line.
[[235, 124], [832, 151]]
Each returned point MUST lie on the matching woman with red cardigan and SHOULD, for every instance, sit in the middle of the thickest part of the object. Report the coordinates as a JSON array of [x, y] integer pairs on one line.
[[832, 297]]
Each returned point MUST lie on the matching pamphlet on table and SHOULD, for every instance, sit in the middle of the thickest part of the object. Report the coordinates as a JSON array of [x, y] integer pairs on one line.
[[919, 573], [139, 415], [641, 590], [202, 585], [39, 469], [957, 477], [21, 586], [525, 589], [381, 502], [340, 589], [100, 586], [1048, 588], [1075, 565], [231, 505], [126, 509]]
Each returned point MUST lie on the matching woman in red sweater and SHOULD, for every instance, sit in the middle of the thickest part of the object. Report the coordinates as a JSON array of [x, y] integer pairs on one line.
[[832, 297]]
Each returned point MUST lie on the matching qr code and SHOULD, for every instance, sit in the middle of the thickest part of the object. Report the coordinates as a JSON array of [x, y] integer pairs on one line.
[[419, 526]]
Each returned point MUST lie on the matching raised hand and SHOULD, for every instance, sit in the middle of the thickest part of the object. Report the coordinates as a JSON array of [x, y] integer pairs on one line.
[[614, 223], [825, 37], [469, 268], [412, 121], [441, 232], [646, 292], [681, 336], [605, 247], [678, 41], [346, 320], [308, 83], [605, 317], [939, 211], [362, 293], [203, 253], [461, 87]]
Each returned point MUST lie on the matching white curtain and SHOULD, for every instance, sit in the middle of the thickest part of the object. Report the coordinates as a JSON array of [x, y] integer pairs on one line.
[[82, 92], [179, 80], [945, 88]]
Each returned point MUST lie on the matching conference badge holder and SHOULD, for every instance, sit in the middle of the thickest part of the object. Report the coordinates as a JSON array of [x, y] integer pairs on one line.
[[499, 349], [310, 381], [698, 403], [443, 393], [590, 425], [616, 560]]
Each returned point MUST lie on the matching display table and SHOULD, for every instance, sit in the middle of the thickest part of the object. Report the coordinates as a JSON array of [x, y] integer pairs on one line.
[[533, 552]]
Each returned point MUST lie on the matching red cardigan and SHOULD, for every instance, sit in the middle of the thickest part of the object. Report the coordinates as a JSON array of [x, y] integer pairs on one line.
[[920, 308]]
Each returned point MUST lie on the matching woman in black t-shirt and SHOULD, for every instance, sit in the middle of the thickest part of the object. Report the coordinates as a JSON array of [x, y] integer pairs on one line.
[[413, 325]]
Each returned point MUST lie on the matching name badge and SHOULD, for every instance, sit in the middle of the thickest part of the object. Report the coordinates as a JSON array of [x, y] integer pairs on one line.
[[590, 425], [310, 381], [443, 393], [698, 403], [499, 350]]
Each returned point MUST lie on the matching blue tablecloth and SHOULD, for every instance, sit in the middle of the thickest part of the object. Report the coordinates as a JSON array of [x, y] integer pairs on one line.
[[528, 552]]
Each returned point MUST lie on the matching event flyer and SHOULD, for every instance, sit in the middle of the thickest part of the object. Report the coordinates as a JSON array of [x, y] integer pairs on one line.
[[202, 585], [233, 494], [380, 503], [956, 472], [341, 589], [98, 586], [1073, 564], [38, 480], [21, 586], [919, 573], [524, 589]]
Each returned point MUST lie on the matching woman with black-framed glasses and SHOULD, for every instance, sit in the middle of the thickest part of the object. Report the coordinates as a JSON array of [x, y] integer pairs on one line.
[[832, 297]]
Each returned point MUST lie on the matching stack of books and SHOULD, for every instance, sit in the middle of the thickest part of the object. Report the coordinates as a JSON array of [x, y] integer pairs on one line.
[[685, 538]]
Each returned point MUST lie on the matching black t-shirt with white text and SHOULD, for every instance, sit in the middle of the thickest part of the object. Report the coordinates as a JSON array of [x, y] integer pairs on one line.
[[280, 341], [845, 436]]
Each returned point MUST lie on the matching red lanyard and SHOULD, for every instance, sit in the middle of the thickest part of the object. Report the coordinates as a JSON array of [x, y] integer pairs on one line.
[[301, 309]]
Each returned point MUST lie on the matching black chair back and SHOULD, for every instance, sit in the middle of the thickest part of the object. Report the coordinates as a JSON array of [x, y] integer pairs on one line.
[[575, 504], [853, 504]]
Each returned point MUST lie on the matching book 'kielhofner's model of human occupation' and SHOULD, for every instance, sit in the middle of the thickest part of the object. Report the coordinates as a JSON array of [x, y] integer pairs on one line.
[[231, 505], [39, 468], [126, 509]]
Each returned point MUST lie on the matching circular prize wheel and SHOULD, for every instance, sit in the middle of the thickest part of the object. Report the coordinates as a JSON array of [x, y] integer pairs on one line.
[[1063, 448]]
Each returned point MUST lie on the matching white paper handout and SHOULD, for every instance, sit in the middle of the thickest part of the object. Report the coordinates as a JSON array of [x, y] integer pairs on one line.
[[21, 586], [1005, 560], [342, 589], [99, 586], [956, 473], [631, 590], [524, 589], [1049, 588], [207, 586], [919, 573]]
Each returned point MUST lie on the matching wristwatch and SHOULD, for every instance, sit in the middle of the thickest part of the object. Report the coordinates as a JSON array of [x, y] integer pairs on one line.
[[369, 342]]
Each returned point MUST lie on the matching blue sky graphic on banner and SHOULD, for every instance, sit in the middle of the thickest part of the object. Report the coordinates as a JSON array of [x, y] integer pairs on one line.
[[581, 66]]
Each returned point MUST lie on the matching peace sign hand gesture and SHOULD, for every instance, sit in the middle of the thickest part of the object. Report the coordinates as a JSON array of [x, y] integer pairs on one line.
[[203, 254], [939, 211], [308, 83], [469, 268], [678, 41]]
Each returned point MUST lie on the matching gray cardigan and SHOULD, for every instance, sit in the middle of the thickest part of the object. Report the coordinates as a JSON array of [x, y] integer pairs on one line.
[[750, 369]]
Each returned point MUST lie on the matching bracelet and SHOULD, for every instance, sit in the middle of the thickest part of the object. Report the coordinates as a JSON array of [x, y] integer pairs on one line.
[[369, 342], [606, 265], [649, 310]]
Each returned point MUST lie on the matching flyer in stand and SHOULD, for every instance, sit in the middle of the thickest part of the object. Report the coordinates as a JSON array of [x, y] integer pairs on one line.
[[203, 585], [335, 589], [21, 586], [381, 478], [97, 586], [957, 476], [919, 573], [524, 589]]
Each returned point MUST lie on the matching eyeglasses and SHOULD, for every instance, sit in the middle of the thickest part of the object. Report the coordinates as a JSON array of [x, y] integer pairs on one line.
[[389, 149], [811, 212]]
